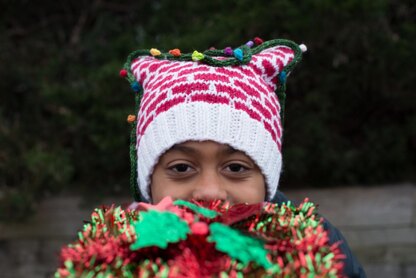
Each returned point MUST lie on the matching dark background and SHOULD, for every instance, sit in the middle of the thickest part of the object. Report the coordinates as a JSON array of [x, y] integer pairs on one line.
[[350, 114]]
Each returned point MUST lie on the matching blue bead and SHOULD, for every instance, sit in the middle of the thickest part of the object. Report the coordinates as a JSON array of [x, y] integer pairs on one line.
[[238, 53], [282, 77], [135, 86]]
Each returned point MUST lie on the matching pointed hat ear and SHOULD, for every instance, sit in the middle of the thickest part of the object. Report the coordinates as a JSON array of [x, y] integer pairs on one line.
[[271, 62]]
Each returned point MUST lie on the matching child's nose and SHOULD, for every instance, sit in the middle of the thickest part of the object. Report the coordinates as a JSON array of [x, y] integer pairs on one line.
[[209, 187]]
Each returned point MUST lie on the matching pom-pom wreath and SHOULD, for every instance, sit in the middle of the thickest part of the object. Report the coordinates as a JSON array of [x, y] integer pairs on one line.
[[203, 239]]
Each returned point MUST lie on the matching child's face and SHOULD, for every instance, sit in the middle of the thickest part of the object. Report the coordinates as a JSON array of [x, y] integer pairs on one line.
[[206, 171]]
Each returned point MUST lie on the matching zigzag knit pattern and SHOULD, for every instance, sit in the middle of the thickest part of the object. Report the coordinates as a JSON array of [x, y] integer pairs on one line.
[[249, 88]]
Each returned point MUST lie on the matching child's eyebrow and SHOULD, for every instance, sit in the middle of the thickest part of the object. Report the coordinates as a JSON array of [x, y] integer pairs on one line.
[[190, 150], [230, 150], [184, 149]]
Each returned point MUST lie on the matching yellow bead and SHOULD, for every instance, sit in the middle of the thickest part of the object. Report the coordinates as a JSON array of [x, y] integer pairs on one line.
[[155, 52]]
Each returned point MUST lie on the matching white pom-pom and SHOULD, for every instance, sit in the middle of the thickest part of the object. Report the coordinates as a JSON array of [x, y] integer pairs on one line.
[[303, 47]]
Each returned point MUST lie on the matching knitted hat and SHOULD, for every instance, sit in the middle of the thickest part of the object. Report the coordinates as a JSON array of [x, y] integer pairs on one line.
[[230, 96]]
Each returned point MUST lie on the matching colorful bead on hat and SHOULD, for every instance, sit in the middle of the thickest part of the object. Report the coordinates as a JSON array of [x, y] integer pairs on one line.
[[230, 96]]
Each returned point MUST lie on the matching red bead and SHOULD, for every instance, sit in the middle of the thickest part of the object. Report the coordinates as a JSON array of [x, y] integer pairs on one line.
[[123, 73], [258, 41], [175, 52]]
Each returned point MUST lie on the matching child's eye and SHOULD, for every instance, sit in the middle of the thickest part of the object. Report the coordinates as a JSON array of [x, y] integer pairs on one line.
[[236, 168], [181, 168]]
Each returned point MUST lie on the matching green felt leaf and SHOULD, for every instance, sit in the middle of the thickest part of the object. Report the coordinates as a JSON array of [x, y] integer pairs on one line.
[[197, 209], [238, 246], [159, 229]]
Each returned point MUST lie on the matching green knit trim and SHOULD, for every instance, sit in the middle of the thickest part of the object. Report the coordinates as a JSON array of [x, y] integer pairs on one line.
[[133, 153], [209, 58]]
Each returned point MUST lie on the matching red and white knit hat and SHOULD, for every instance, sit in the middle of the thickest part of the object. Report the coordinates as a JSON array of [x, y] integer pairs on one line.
[[229, 96]]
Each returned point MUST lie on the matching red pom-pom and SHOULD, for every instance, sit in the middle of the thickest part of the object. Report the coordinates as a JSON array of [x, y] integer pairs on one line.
[[199, 228], [258, 41], [123, 73]]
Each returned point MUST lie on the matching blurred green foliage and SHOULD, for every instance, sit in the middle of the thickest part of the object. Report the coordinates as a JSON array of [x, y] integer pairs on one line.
[[350, 115]]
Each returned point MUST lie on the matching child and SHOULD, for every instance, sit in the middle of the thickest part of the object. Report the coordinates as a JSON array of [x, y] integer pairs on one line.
[[209, 125]]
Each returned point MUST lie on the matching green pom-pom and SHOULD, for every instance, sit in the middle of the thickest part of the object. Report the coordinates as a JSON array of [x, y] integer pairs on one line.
[[159, 229], [238, 246]]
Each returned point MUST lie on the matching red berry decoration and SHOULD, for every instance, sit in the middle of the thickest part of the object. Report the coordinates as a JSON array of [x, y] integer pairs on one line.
[[199, 228], [123, 73], [258, 41]]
